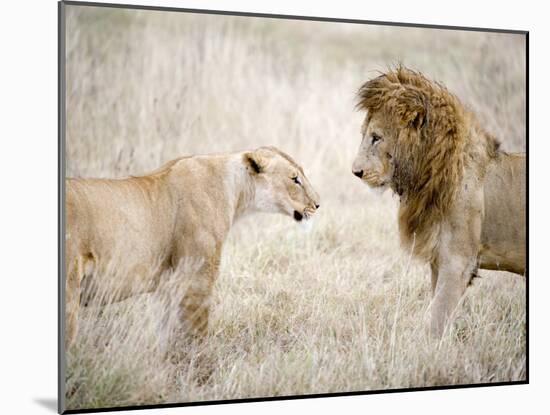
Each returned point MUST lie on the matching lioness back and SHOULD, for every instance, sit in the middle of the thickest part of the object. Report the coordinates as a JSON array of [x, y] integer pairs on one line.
[[115, 220]]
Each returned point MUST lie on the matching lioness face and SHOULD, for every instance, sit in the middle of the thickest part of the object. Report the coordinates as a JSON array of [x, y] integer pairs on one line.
[[281, 185], [373, 163]]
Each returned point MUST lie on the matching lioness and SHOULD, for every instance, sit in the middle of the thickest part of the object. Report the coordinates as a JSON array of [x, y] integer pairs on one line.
[[148, 224], [462, 200]]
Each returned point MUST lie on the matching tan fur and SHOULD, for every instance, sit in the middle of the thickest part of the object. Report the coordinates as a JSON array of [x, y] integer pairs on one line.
[[144, 226], [462, 200]]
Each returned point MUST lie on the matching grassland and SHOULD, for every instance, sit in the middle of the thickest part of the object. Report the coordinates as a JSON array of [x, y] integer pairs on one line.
[[339, 308]]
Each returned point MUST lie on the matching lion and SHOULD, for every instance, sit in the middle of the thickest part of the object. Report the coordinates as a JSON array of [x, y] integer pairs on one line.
[[185, 209], [462, 200]]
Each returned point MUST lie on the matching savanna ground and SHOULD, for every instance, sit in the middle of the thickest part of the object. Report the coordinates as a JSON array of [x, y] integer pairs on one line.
[[339, 308]]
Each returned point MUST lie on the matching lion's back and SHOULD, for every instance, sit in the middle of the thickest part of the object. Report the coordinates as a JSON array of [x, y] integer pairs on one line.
[[504, 227]]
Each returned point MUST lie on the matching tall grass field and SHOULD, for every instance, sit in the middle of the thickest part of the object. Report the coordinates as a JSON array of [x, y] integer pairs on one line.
[[339, 308]]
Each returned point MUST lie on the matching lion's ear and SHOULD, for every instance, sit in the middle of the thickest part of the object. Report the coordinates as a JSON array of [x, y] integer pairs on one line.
[[413, 108], [254, 162], [422, 114]]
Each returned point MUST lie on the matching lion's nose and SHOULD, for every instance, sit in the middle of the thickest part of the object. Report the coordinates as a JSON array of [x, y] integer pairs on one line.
[[358, 173], [317, 206]]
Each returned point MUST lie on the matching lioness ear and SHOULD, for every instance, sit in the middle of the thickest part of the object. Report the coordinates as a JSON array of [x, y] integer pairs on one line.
[[253, 162]]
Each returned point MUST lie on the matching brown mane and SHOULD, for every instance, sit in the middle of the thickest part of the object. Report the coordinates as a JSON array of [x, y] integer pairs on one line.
[[436, 138]]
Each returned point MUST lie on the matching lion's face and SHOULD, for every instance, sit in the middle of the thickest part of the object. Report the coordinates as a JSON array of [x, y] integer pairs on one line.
[[281, 185], [373, 163]]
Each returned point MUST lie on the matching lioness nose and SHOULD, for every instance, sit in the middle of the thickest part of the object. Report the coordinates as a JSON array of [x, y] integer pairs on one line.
[[317, 206], [358, 173]]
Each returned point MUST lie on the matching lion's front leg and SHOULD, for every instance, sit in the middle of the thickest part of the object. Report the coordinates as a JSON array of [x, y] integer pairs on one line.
[[450, 287], [452, 270], [456, 257]]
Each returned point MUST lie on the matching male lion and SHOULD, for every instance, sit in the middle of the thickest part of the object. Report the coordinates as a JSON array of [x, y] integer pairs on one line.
[[462, 200], [147, 225]]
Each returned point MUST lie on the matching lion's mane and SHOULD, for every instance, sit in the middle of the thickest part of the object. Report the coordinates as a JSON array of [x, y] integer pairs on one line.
[[438, 138]]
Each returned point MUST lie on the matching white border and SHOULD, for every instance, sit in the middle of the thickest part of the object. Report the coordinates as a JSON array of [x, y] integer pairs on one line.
[[29, 204]]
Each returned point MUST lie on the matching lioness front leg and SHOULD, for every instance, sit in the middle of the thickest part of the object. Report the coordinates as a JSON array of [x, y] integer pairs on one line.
[[194, 307]]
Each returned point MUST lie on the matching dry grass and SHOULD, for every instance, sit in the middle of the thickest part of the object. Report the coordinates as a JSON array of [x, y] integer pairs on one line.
[[338, 309]]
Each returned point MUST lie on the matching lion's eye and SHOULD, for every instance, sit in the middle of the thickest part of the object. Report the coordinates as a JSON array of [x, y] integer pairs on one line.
[[375, 138], [297, 180]]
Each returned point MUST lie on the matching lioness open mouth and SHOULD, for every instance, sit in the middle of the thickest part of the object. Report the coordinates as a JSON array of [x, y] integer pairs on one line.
[[298, 216]]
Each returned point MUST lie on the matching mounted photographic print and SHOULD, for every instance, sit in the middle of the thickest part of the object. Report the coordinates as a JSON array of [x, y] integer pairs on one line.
[[269, 207]]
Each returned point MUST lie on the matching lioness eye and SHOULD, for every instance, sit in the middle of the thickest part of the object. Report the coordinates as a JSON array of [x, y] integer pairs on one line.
[[375, 138], [296, 180]]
